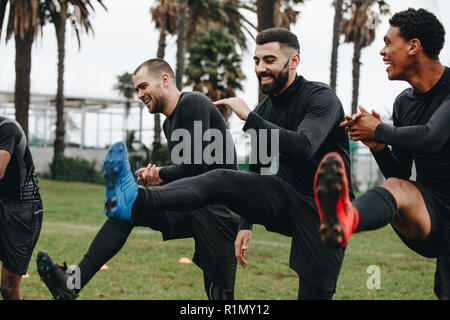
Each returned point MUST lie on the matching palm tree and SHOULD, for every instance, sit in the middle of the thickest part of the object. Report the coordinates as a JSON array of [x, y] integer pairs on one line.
[[77, 12], [225, 12], [125, 87], [164, 14], [214, 64], [360, 30], [284, 13], [265, 14], [276, 13], [3, 4], [23, 23], [181, 41], [338, 8]]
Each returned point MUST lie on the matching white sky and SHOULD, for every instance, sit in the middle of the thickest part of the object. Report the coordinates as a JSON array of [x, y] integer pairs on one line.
[[125, 36]]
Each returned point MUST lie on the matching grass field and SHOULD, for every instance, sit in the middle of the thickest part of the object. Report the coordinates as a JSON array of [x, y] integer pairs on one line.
[[148, 268]]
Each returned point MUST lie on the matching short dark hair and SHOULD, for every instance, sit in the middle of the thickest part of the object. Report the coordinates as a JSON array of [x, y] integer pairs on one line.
[[156, 67], [423, 25], [281, 35]]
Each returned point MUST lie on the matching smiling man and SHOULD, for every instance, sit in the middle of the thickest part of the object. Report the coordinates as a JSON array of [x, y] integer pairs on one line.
[[213, 227], [419, 211], [305, 115]]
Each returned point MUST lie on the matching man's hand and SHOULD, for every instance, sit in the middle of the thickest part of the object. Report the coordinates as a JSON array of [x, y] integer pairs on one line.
[[149, 176], [237, 105], [362, 128], [241, 244]]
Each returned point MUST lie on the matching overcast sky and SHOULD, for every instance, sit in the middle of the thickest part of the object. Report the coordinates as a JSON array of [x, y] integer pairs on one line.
[[125, 36]]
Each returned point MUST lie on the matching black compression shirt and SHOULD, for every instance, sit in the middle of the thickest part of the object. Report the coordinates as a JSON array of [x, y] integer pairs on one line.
[[307, 115], [19, 182], [195, 115], [421, 134]]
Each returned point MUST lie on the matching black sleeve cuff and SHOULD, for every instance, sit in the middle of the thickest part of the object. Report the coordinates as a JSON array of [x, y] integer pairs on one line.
[[244, 225], [380, 133]]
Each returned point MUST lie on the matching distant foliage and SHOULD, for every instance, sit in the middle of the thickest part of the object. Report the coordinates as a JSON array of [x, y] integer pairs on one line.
[[76, 169]]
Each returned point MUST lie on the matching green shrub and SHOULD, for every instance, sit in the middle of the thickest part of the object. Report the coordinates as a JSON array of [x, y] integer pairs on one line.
[[76, 169]]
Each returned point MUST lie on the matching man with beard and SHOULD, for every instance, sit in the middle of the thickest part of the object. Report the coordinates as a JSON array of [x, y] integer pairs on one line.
[[419, 211], [305, 116], [213, 227]]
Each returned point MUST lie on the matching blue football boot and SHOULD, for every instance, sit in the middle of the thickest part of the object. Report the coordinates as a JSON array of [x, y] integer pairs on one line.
[[121, 189]]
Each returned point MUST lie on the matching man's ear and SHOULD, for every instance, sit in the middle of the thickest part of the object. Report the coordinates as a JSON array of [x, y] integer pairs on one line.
[[165, 78], [295, 60], [415, 46]]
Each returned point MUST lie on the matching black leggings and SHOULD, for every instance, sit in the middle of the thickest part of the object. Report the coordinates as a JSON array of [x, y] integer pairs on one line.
[[265, 200], [255, 197], [108, 242]]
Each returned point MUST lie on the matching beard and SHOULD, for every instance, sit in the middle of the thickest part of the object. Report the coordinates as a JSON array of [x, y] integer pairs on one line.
[[158, 105], [280, 80]]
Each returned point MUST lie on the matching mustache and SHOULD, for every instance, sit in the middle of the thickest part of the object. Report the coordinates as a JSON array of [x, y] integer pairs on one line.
[[266, 74]]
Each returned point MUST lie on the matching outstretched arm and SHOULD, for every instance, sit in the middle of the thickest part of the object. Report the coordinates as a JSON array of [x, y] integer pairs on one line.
[[322, 113], [429, 137]]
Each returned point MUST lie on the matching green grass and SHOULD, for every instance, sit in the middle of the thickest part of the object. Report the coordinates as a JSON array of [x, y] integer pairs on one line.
[[148, 268]]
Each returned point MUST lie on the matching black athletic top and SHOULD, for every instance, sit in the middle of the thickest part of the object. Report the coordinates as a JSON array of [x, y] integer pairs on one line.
[[197, 116], [19, 182], [307, 115], [421, 133]]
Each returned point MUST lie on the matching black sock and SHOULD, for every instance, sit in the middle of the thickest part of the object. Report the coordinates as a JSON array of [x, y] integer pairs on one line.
[[106, 244], [376, 208]]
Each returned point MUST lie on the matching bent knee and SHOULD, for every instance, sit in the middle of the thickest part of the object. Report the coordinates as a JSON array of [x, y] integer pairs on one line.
[[403, 191]]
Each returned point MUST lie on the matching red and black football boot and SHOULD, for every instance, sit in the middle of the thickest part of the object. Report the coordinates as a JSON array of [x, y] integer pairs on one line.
[[338, 218]]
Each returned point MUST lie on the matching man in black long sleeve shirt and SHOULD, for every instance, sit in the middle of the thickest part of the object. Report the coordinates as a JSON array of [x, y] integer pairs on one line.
[[419, 211], [306, 116], [189, 115]]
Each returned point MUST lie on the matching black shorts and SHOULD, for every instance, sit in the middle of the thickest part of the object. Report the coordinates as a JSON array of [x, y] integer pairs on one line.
[[20, 226], [214, 229], [437, 244]]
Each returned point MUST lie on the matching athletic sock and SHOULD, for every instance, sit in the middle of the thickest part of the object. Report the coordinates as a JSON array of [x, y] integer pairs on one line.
[[108, 241], [376, 208]]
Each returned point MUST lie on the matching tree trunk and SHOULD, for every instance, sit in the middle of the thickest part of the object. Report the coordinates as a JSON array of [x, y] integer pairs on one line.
[[22, 86], [276, 13], [3, 4], [335, 46], [181, 41], [355, 74], [265, 13], [266, 20], [58, 150], [156, 150]]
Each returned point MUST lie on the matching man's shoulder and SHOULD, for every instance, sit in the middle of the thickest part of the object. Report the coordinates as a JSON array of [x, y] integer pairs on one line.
[[10, 127], [404, 99], [195, 97], [317, 89]]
